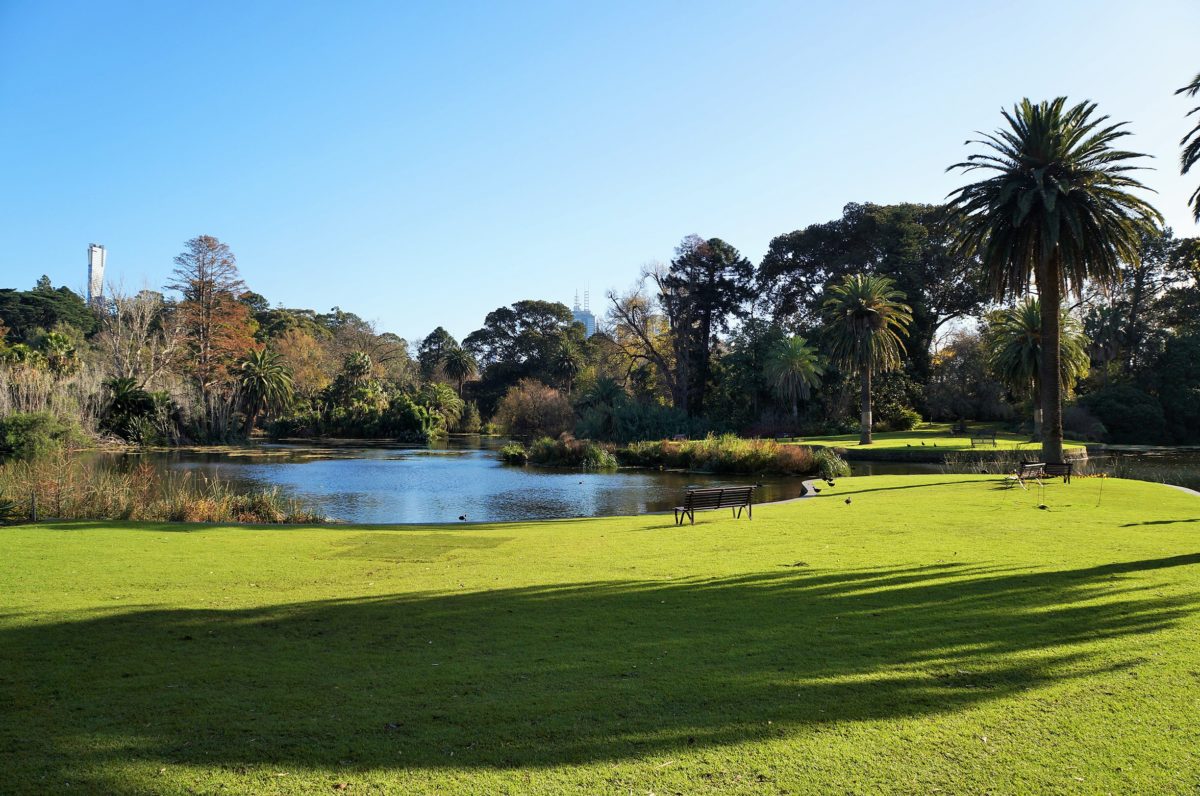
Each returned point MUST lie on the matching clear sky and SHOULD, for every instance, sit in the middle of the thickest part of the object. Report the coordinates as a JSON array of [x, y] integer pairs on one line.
[[424, 163]]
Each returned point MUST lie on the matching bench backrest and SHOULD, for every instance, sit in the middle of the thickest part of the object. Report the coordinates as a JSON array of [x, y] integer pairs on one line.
[[1029, 468], [720, 498]]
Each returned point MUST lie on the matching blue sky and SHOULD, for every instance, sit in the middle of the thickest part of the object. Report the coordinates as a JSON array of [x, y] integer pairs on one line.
[[422, 164]]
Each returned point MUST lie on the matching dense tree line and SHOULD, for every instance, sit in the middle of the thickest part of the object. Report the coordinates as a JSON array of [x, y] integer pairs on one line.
[[1045, 295]]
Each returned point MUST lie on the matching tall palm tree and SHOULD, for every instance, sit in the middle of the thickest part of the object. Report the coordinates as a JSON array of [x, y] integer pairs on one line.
[[1058, 208], [266, 384], [794, 369], [865, 317], [1191, 145], [566, 362], [1013, 341], [459, 365]]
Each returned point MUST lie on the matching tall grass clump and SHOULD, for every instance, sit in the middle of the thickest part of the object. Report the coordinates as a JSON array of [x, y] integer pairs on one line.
[[830, 465], [723, 454], [63, 486]]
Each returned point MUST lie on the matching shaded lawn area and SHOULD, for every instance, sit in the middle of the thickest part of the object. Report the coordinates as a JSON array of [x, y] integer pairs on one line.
[[938, 632], [930, 435]]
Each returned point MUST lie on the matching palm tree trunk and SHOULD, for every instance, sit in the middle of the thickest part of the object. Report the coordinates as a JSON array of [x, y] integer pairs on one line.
[[864, 436], [1050, 375]]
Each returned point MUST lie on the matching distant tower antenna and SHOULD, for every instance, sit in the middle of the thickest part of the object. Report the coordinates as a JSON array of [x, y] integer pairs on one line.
[[587, 299], [97, 258]]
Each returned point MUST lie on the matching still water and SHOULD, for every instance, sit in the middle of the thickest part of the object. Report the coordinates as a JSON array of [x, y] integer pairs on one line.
[[368, 483]]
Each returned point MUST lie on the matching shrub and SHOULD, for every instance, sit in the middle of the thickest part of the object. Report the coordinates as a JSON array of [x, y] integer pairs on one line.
[[531, 409], [724, 454], [1130, 415], [514, 453], [27, 436], [570, 452], [902, 419]]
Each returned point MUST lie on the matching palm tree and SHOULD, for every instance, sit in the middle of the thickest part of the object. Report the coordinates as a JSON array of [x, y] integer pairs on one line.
[[1057, 207], [266, 384], [442, 399], [865, 317], [1014, 350], [459, 365], [357, 368], [1191, 145], [566, 362], [60, 354], [794, 369]]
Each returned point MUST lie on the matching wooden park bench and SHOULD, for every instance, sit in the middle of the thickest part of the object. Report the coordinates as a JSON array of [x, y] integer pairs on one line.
[[732, 497], [983, 436], [1027, 471], [1063, 471]]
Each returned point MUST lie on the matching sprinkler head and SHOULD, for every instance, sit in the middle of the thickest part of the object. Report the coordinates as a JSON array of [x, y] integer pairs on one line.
[[847, 501]]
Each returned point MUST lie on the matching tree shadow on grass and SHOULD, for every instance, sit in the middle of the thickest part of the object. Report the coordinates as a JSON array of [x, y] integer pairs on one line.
[[551, 675]]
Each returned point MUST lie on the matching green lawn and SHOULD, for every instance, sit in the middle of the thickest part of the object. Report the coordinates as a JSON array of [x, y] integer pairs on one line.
[[936, 634], [928, 439]]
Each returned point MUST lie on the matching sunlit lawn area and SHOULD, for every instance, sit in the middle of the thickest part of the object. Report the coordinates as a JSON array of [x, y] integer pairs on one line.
[[931, 435], [936, 633]]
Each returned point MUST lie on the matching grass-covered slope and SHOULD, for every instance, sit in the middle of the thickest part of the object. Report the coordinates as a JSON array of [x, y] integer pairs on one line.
[[936, 633], [930, 442]]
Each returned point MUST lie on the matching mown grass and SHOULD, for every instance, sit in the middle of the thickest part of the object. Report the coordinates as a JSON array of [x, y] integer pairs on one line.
[[936, 633], [930, 440]]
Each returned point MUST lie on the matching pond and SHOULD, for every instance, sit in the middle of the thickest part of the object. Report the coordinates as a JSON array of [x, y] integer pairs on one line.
[[388, 483]]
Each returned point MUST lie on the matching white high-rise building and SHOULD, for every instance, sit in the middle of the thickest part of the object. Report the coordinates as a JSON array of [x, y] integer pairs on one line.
[[96, 260], [584, 314]]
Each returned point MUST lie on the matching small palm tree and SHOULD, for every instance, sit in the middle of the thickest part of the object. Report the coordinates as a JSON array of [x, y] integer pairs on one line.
[[865, 317], [61, 356], [1058, 208], [459, 365], [357, 368], [442, 399], [794, 369], [1013, 340], [566, 362], [1191, 144], [266, 384]]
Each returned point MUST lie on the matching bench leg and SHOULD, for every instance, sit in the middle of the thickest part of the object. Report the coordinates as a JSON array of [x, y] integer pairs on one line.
[[693, 515]]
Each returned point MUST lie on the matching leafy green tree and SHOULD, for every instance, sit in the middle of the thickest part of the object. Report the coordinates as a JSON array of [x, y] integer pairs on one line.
[[795, 370], [1013, 340], [27, 312], [1058, 207], [518, 342], [706, 286], [432, 352], [865, 317], [1191, 144], [459, 365], [913, 244]]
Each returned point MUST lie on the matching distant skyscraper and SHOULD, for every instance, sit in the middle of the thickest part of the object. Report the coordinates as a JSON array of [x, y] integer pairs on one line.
[[584, 314], [96, 260]]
